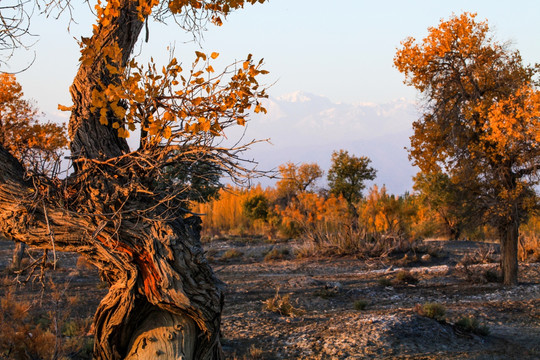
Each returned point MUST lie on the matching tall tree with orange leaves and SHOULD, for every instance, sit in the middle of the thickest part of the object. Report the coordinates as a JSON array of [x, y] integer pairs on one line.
[[127, 210], [481, 122]]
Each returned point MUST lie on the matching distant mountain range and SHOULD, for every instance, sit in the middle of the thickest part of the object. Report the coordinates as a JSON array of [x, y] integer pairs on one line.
[[303, 127]]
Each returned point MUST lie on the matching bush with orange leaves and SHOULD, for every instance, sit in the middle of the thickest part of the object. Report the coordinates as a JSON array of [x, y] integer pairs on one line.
[[226, 214], [385, 215], [385, 224], [529, 240]]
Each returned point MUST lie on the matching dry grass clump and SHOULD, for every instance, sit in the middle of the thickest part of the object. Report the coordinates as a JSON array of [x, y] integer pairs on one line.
[[478, 275], [482, 255], [276, 254], [346, 240], [326, 292], [255, 353], [431, 310], [281, 305], [27, 333], [470, 324], [361, 304], [406, 277], [231, 254]]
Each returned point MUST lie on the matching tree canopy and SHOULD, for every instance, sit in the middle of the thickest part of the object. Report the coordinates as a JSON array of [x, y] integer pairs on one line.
[[347, 175], [481, 122], [37, 144], [296, 179]]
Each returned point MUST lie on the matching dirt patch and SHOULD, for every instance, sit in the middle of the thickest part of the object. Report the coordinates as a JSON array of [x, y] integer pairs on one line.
[[388, 327], [350, 308]]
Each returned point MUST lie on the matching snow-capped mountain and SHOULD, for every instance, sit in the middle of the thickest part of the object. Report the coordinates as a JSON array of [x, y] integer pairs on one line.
[[304, 127]]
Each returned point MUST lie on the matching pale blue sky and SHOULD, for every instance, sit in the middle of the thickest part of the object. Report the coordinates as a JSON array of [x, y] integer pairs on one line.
[[341, 49]]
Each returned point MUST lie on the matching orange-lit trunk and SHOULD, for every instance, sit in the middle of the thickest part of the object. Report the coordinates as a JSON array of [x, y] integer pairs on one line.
[[163, 297], [509, 252], [164, 300]]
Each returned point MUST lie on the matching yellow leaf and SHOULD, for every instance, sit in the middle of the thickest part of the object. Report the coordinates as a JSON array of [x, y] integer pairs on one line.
[[168, 116], [167, 132], [205, 126], [123, 133], [64, 108], [103, 116], [200, 55]]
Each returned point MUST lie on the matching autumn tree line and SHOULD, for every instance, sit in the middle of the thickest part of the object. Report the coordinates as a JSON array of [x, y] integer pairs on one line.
[[346, 216]]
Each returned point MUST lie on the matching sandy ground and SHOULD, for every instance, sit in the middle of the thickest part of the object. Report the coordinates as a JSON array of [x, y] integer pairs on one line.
[[328, 294]]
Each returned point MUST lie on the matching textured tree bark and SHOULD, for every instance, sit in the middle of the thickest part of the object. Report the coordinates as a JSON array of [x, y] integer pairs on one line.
[[164, 300], [509, 253], [89, 138], [162, 291]]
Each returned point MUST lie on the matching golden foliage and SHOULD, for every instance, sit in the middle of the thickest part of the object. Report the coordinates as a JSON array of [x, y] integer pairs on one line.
[[38, 145], [225, 214], [170, 105]]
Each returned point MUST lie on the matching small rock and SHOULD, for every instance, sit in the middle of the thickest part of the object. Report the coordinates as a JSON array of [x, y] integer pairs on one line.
[[426, 257]]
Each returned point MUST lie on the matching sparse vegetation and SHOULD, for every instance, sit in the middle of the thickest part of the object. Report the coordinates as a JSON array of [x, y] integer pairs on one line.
[[29, 332], [231, 254], [431, 310], [276, 254], [361, 305], [471, 324], [385, 282], [282, 305], [406, 277], [255, 353], [326, 292]]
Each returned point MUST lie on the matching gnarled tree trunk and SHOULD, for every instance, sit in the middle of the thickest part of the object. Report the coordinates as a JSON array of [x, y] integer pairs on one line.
[[163, 296], [164, 300]]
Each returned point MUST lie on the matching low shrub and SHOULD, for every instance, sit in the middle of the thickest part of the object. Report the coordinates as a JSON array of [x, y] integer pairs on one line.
[[281, 305], [231, 254], [276, 254], [326, 293], [472, 325], [405, 277], [431, 310], [361, 304], [28, 332]]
